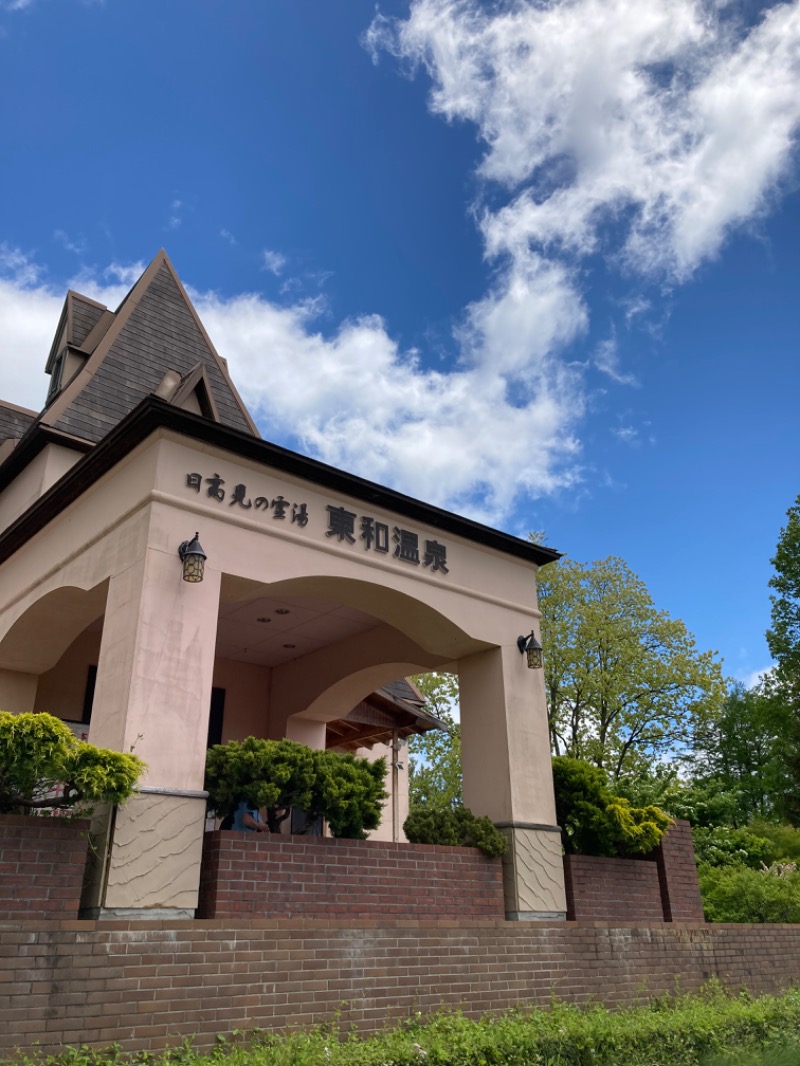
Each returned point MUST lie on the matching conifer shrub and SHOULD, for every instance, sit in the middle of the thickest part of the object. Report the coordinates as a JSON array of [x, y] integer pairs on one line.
[[45, 767], [278, 775], [454, 827], [594, 821]]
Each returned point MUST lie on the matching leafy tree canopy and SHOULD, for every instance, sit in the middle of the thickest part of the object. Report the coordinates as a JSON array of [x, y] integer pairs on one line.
[[625, 682], [44, 765], [740, 754], [279, 774], [435, 757], [783, 636], [783, 639]]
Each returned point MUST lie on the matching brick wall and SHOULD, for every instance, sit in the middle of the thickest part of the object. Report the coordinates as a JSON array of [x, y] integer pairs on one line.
[[662, 887], [147, 985], [248, 875], [612, 889], [42, 862], [677, 872]]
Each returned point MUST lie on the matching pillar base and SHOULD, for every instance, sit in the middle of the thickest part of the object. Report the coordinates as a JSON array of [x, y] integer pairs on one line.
[[144, 914], [155, 853], [536, 916], [533, 872]]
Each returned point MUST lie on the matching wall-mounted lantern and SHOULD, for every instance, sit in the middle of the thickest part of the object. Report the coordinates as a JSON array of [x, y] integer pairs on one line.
[[193, 558], [531, 647]]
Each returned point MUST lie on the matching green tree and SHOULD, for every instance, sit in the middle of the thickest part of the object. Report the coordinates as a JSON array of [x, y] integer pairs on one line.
[[435, 757], [740, 753], [783, 636], [783, 639], [43, 765], [279, 774], [625, 682]]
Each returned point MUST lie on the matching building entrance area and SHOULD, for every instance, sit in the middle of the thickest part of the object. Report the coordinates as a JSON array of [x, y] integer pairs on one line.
[[318, 594]]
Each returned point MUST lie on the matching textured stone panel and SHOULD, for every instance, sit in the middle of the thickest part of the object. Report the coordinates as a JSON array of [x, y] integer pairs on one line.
[[533, 874], [155, 859]]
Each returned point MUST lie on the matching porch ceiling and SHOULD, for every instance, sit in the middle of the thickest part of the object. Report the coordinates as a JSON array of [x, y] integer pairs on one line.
[[268, 631]]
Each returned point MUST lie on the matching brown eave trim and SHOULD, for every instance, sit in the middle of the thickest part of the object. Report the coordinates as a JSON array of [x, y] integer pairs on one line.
[[154, 413]]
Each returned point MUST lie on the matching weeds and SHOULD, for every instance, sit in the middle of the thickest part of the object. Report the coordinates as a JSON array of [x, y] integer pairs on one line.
[[712, 1028]]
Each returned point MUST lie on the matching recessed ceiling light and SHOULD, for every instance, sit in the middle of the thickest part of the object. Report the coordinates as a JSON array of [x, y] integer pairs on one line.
[[282, 610], [290, 645], [263, 619]]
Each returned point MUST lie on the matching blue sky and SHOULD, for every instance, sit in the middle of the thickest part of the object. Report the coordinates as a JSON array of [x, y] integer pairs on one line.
[[534, 262]]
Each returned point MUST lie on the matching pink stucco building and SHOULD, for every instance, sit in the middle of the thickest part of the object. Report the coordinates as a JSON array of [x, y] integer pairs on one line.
[[321, 591]]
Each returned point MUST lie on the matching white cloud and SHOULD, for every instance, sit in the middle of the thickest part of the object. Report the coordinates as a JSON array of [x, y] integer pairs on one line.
[[274, 262], [465, 439], [607, 361], [77, 245], [753, 678], [655, 126], [357, 401], [626, 434], [29, 313], [176, 209], [641, 131]]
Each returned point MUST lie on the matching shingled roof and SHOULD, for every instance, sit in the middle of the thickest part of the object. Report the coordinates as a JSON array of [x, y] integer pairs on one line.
[[153, 343], [14, 420]]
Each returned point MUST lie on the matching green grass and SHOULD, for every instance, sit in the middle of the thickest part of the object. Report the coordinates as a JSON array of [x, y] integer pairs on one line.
[[712, 1028]]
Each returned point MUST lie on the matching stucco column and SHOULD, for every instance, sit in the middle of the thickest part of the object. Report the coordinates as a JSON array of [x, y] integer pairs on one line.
[[152, 697], [508, 776], [17, 691]]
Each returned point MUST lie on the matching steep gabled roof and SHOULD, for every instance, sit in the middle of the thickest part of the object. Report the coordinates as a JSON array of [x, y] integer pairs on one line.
[[155, 330], [14, 420]]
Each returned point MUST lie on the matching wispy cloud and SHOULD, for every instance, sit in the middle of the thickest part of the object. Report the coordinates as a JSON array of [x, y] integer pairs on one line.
[[626, 434], [273, 261], [176, 210], [77, 245], [607, 361]]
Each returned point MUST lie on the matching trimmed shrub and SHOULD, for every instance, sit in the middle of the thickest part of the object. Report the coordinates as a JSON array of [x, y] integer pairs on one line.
[[279, 774], [454, 827], [595, 822], [44, 766]]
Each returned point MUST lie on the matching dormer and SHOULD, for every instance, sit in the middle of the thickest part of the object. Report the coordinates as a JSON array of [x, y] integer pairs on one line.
[[82, 324]]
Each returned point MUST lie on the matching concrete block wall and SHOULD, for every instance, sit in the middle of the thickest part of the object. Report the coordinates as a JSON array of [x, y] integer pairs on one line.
[[42, 862], [248, 875]]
